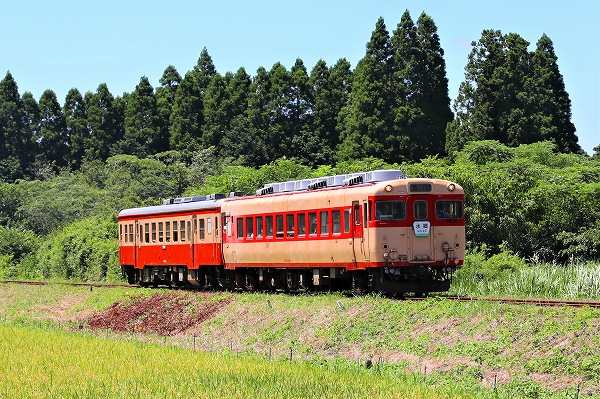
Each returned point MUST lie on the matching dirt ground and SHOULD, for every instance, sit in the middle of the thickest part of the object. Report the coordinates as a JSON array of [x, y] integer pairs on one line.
[[161, 314]]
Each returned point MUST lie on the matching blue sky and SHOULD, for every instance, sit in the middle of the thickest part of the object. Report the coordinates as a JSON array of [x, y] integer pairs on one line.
[[80, 43]]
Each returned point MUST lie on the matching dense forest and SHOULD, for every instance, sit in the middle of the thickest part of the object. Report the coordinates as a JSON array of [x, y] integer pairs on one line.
[[65, 171]]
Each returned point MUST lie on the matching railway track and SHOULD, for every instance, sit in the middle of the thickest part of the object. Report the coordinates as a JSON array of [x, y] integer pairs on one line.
[[519, 301], [34, 282], [514, 301]]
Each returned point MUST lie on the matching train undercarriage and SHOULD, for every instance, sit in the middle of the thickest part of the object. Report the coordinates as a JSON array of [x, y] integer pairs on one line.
[[420, 279]]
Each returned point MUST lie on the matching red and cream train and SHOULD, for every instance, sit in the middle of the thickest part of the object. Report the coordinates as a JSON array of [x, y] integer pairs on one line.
[[373, 231]]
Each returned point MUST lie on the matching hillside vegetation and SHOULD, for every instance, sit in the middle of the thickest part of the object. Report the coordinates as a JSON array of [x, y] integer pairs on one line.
[[528, 202]]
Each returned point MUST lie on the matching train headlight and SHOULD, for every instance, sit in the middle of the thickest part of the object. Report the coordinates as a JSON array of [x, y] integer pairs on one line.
[[451, 187], [388, 188]]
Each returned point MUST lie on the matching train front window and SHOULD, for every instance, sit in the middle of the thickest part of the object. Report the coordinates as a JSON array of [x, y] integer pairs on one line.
[[420, 208], [449, 209], [390, 210]]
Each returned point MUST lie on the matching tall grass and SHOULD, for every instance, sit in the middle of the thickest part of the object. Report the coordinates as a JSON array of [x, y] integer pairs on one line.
[[576, 281]]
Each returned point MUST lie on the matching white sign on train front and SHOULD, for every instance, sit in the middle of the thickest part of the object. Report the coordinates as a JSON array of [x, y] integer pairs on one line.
[[421, 229]]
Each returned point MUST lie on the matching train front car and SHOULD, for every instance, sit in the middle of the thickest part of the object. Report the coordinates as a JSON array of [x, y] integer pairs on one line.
[[415, 232], [373, 231]]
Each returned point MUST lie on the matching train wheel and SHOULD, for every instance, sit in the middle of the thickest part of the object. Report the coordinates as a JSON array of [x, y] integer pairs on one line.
[[358, 283]]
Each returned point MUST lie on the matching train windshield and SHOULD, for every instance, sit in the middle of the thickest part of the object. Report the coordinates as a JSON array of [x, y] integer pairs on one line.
[[390, 210], [449, 209]]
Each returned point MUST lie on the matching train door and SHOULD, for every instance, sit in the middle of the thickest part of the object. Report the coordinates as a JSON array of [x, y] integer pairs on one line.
[[216, 247], [357, 231], [191, 239], [136, 243], [365, 247], [420, 215]]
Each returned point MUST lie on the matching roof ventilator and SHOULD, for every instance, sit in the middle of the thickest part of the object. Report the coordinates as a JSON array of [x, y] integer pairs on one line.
[[318, 184]]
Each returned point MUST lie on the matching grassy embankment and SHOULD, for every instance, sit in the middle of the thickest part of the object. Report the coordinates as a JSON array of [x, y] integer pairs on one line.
[[434, 348]]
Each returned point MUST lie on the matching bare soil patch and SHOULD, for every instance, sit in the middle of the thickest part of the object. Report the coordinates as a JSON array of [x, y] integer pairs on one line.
[[161, 314]]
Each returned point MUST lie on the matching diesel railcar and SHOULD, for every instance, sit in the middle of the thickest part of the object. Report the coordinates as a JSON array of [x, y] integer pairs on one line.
[[373, 231]]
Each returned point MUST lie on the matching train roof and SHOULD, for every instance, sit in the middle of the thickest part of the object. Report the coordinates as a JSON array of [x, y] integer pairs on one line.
[[174, 207], [214, 201]]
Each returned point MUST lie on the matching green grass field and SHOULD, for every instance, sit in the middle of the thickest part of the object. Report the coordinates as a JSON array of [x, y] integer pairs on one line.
[[38, 363], [435, 348]]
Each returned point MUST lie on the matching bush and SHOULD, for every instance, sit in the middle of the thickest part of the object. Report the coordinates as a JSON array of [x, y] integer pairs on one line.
[[479, 266], [86, 250]]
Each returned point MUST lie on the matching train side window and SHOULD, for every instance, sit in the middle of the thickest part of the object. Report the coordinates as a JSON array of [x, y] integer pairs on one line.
[[420, 209], [357, 214], [121, 233], [153, 232], [289, 221], [301, 225], [312, 223], [324, 223], [168, 231], [209, 226], [336, 221], [240, 227], [202, 233], [216, 226], [161, 231], [347, 221], [279, 225], [189, 230], [365, 212], [131, 233], [249, 227], [195, 230], [141, 232], [146, 232], [259, 227], [182, 230], [175, 231], [270, 226]]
